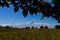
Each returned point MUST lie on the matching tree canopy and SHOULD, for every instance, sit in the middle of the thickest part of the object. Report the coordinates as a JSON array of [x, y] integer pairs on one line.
[[35, 7]]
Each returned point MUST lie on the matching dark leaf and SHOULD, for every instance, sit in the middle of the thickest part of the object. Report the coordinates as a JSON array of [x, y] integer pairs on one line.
[[7, 5], [25, 12], [2, 4], [35, 6], [16, 9]]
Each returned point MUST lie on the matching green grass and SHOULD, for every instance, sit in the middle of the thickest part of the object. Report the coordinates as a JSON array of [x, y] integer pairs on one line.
[[29, 34]]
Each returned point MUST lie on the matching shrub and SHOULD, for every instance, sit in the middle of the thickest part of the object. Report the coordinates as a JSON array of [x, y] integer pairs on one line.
[[32, 27], [7, 26], [41, 27], [26, 27], [57, 26], [46, 27]]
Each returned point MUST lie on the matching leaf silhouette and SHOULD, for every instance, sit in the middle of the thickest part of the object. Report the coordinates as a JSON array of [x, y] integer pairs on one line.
[[16, 9], [25, 12], [2, 4], [7, 5], [35, 7]]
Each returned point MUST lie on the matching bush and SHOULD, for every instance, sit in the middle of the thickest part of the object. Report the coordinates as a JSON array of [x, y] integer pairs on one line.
[[46, 27], [32, 27], [41, 27], [57, 26], [26, 27], [7, 26]]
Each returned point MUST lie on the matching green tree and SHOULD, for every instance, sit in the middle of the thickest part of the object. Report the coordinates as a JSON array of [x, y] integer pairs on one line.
[[34, 7]]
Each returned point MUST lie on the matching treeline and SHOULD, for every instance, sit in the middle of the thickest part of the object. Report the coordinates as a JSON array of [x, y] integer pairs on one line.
[[6, 26], [41, 27], [46, 27]]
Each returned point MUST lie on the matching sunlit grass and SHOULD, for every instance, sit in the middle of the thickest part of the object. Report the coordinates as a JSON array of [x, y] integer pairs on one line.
[[29, 34]]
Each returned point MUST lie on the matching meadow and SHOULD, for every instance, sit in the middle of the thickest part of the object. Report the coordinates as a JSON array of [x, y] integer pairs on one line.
[[29, 34]]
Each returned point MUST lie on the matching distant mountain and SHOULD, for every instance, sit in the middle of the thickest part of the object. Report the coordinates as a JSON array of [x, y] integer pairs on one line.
[[33, 23], [37, 24]]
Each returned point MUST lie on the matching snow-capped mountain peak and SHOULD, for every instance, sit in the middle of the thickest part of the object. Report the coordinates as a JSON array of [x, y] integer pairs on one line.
[[37, 24], [33, 23]]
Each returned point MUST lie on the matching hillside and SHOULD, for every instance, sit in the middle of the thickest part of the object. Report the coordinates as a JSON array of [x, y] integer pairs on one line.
[[29, 34]]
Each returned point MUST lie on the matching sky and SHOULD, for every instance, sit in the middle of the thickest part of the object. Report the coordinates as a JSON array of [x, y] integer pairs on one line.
[[8, 16]]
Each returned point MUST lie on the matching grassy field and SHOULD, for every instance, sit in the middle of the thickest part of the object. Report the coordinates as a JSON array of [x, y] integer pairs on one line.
[[29, 34]]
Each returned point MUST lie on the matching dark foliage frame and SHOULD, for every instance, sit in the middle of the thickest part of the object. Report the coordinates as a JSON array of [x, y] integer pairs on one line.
[[35, 7]]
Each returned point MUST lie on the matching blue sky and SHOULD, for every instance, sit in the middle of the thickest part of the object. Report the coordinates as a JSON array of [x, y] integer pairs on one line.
[[7, 16]]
